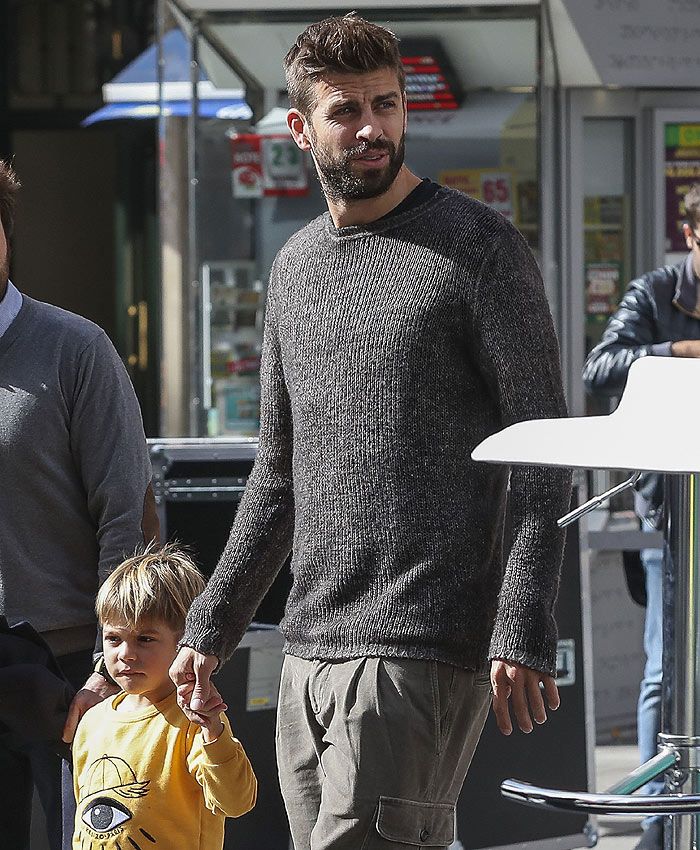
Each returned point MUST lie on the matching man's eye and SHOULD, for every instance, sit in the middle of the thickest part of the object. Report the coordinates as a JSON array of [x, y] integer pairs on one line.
[[104, 814]]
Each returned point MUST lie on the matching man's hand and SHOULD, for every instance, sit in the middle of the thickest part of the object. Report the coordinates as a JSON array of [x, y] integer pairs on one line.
[[208, 717], [521, 685], [191, 672], [686, 348], [96, 689]]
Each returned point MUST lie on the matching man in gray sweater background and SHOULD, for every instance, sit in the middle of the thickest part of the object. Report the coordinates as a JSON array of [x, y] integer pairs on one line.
[[75, 497], [402, 327]]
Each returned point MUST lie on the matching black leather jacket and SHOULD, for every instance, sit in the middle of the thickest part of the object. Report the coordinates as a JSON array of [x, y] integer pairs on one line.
[[657, 309]]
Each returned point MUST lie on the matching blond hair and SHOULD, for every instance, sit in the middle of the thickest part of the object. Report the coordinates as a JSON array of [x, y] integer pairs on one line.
[[158, 584]]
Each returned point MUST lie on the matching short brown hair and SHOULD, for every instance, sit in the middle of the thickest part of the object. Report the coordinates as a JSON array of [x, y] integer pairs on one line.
[[692, 205], [158, 584], [347, 45], [9, 186]]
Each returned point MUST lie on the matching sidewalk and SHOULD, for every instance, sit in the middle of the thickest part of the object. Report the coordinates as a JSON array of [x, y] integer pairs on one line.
[[612, 763]]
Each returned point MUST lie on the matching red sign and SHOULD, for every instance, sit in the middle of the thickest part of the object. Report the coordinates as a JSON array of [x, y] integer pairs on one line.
[[267, 165], [431, 83]]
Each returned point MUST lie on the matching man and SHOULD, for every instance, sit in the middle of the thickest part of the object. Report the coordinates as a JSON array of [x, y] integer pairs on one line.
[[75, 497], [659, 316], [402, 328]]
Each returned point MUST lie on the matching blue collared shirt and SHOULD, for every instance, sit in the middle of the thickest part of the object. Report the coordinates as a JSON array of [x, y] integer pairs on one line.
[[10, 306]]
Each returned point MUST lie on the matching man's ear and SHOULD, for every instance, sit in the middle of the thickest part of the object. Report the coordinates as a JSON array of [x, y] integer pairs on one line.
[[297, 127]]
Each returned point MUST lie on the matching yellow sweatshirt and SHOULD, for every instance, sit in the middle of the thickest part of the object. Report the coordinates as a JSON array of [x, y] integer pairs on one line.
[[146, 779]]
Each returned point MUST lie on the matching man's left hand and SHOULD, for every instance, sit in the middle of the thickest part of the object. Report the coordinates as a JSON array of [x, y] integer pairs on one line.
[[521, 686], [96, 689]]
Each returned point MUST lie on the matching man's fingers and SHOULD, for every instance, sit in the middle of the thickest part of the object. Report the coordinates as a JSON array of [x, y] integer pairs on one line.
[[184, 690], [534, 697], [182, 668], [520, 706], [551, 692], [499, 703], [203, 667]]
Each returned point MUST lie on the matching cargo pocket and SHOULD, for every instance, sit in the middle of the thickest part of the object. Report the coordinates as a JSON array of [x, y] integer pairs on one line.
[[405, 823]]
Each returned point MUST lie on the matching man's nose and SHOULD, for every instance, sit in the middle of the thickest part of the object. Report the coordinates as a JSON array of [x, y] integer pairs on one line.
[[370, 130]]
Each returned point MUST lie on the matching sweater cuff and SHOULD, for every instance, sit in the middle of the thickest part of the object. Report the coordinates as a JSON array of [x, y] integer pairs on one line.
[[224, 748], [661, 349]]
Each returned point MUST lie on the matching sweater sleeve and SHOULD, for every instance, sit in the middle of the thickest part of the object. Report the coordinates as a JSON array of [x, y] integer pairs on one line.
[[224, 773], [109, 451], [261, 535], [518, 354]]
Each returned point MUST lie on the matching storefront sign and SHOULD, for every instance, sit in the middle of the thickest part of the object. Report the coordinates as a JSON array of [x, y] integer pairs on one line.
[[267, 165], [681, 170], [639, 43], [494, 188], [602, 289], [431, 84]]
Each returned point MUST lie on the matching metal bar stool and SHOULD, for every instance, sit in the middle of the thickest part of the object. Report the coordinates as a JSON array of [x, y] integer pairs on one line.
[[660, 401]]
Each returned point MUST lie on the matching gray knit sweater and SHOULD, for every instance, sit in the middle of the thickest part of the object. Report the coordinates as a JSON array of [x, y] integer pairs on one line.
[[74, 469], [391, 350]]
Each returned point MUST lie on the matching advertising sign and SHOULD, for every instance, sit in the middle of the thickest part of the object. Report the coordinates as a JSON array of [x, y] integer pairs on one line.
[[681, 170], [494, 188], [602, 289], [431, 82], [267, 166]]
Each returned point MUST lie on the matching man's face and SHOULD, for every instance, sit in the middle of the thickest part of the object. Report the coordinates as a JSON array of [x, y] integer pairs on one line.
[[692, 240], [356, 133], [4, 262]]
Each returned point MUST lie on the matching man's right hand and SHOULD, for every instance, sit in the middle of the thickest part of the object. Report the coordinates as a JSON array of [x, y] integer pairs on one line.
[[191, 672], [686, 348]]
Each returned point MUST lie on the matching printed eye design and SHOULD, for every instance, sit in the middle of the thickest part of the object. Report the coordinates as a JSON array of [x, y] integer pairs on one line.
[[104, 814]]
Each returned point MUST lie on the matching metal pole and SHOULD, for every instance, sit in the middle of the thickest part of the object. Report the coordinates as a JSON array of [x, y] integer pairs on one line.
[[194, 299], [681, 663]]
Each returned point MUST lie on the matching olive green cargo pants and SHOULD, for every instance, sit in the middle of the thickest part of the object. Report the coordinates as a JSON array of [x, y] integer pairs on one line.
[[372, 752]]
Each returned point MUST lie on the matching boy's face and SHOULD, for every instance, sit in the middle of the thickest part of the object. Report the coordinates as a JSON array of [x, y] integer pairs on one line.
[[138, 659]]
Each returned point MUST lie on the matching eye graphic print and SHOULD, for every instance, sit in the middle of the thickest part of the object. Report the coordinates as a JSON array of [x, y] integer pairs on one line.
[[104, 814]]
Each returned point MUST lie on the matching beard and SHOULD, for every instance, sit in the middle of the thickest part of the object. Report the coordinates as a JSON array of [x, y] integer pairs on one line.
[[340, 183]]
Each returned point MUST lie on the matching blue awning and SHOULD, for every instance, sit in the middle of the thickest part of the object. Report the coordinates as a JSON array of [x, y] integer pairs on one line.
[[134, 92], [227, 109]]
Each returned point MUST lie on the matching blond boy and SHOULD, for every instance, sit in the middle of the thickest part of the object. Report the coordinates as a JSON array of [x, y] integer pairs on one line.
[[146, 772]]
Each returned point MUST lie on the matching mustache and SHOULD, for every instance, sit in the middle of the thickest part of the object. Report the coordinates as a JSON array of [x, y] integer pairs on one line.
[[364, 148]]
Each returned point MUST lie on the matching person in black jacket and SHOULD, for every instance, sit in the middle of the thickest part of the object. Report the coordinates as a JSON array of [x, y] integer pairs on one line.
[[659, 316]]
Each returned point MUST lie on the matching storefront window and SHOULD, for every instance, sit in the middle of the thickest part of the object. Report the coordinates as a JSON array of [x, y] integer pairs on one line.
[[473, 125], [607, 235]]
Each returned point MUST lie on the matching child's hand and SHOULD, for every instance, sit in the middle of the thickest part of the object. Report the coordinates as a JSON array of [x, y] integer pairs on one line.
[[207, 716]]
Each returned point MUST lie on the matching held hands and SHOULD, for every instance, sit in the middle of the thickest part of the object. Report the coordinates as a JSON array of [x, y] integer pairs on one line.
[[199, 700], [96, 689], [521, 685], [207, 716]]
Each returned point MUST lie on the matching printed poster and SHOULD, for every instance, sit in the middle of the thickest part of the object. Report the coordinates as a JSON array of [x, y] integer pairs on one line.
[[265, 166], [681, 170], [493, 187]]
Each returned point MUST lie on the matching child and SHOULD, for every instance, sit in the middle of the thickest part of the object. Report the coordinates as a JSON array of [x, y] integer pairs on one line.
[[146, 772]]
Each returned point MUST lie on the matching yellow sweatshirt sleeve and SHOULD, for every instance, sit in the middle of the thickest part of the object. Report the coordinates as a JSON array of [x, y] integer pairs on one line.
[[224, 772]]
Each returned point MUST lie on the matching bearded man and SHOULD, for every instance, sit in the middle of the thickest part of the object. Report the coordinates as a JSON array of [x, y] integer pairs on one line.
[[402, 328]]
